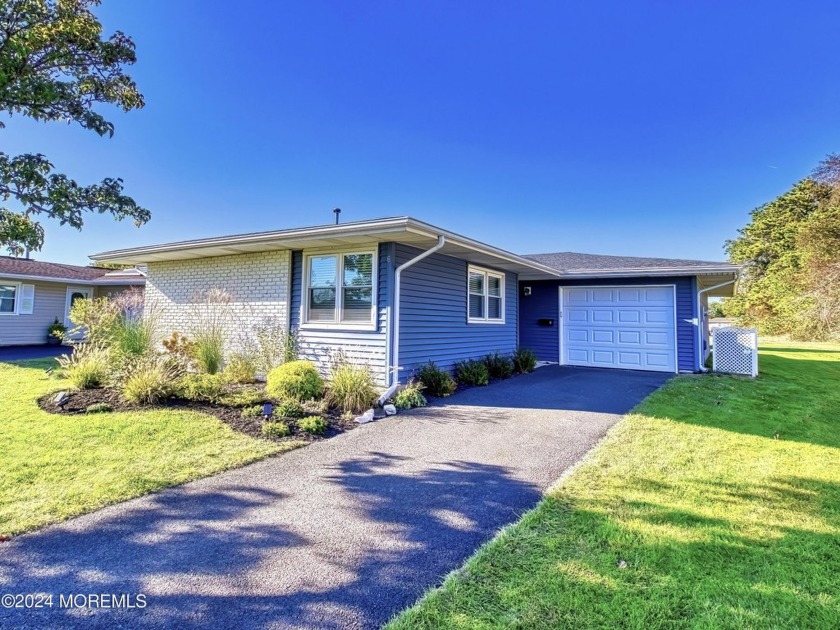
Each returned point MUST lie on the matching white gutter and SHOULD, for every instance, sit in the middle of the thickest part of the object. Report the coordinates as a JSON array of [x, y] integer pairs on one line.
[[82, 281], [394, 376], [700, 351]]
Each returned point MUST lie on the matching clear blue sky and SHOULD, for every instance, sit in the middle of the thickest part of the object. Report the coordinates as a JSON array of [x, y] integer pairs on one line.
[[637, 128]]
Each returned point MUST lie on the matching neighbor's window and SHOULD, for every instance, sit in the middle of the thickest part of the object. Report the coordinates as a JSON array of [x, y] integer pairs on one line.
[[8, 294], [340, 288], [485, 296]]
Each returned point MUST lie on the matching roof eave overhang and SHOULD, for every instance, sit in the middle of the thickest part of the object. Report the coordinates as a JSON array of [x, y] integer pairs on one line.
[[77, 281], [402, 229], [652, 273]]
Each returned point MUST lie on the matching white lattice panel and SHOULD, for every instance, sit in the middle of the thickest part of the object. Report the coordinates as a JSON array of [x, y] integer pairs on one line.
[[735, 351]]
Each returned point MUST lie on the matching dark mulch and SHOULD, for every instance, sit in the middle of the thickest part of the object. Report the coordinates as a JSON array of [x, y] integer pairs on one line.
[[79, 401]]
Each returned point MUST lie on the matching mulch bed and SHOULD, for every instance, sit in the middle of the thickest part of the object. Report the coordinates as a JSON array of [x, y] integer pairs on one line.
[[79, 401]]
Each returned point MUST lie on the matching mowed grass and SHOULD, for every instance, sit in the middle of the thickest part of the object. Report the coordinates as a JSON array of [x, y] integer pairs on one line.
[[53, 467], [721, 495]]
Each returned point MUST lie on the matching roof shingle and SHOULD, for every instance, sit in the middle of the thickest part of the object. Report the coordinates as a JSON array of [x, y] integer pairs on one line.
[[575, 261], [37, 268]]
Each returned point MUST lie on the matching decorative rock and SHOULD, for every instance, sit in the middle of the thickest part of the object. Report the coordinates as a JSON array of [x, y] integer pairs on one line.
[[622, 564], [390, 410], [366, 417], [61, 399]]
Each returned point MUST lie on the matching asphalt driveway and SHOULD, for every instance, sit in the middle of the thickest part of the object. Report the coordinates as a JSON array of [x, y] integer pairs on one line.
[[21, 353], [341, 534]]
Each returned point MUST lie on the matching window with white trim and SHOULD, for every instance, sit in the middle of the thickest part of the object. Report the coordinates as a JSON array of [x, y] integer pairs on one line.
[[339, 289], [485, 296], [8, 299]]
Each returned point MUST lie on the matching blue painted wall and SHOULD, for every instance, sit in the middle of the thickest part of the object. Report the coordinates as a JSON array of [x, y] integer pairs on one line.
[[544, 302], [360, 347], [433, 314]]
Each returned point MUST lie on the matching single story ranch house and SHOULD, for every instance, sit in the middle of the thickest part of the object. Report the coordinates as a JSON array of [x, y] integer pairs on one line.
[[395, 293], [35, 293]]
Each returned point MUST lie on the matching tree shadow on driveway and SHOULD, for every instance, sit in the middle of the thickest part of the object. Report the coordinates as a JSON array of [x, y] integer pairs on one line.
[[380, 534]]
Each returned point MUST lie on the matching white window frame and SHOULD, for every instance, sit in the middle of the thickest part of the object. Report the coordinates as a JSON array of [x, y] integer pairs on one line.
[[339, 291], [17, 286], [487, 273]]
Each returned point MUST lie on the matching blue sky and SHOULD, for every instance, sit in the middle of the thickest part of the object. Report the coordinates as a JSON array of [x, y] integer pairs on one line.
[[636, 128]]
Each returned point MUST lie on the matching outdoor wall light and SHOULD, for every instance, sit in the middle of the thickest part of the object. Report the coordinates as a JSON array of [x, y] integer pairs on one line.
[[526, 291]]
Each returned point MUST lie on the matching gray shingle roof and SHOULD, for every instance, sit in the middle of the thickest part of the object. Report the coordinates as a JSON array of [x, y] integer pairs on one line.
[[40, 269], [575, 261]]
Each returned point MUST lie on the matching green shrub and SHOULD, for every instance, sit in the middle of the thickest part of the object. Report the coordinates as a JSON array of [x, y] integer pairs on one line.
[[276, 429], [524, 361], [201, 387], [351, 387], [499, 365], [472, 372], [151, 379], [241, 368], [410, 396], [99, 408], [314, 407], [296, 380], [315, 425], [88, 366], [435, 381], [289, 409], [95, 318], [242, 398], [254, 411]]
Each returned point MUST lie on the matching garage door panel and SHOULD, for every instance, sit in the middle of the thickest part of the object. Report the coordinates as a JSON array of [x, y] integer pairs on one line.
[[653, 338], [603, 336], [625, 327], [577, 335], [630, 359], [632, 337], [602, 316], [603, 295]]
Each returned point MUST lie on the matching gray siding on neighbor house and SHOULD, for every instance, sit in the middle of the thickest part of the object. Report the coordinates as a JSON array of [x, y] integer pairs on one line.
[[50, 303], [433, 314], [544, 302], [321, 344]]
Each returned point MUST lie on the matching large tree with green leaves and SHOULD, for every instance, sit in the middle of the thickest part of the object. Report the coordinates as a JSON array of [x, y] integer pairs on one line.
[[55, 65], [791, 256]]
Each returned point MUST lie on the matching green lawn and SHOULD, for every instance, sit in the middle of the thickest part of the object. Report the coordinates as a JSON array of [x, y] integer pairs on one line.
[[721, 494], [53, 467]]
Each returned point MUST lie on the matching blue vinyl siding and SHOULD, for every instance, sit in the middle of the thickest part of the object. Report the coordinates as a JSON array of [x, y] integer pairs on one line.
[[433, 314], [544, 302], [360, 347]]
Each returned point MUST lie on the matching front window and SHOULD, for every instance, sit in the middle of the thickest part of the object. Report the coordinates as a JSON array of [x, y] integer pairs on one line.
[[8, 295], [340, 288], [485, 296]]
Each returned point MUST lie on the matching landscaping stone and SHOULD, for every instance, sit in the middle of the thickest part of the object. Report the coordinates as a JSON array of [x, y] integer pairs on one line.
[[390, 410], [366, 417], [61, 398]]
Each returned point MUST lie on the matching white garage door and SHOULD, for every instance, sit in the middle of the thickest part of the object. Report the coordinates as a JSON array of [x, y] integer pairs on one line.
[[631, 328]]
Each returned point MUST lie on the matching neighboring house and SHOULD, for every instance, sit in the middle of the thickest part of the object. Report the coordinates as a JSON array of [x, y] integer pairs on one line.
[[33, 294], [401, 292]]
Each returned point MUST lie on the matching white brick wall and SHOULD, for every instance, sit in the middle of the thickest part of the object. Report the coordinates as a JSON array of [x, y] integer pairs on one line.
[[258, 285]]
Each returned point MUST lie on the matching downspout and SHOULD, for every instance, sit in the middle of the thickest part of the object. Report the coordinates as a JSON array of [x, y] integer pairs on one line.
[[394, 376], [702, 359]]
